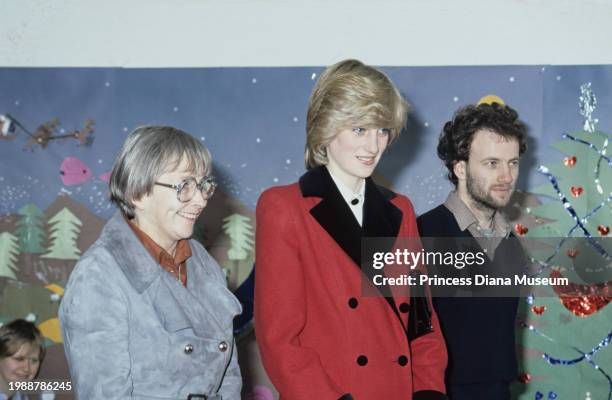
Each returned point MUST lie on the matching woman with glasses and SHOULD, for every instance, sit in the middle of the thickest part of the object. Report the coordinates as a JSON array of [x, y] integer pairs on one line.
[[146, 313]]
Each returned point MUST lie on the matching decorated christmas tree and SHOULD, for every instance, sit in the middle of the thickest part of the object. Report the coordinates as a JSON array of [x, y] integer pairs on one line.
[[64, 233], [30, 229], [567, 330]]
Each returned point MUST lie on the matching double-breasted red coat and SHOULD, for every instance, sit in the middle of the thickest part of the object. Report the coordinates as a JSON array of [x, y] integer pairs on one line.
[[319, 338]]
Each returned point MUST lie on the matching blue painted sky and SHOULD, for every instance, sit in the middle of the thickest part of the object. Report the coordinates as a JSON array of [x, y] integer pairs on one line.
[[253, 121]]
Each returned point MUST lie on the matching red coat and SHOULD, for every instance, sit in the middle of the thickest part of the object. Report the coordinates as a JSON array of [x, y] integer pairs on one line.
[[319, 338]]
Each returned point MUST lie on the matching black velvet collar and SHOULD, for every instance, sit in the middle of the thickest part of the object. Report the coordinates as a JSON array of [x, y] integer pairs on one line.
[[380, 217]]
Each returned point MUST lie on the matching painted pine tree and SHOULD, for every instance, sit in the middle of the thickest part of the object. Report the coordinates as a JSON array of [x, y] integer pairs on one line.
[[64, 233], [9, 249], [30, 229], [240, 232]]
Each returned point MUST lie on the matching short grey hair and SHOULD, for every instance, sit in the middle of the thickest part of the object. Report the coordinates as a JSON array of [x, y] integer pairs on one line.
[[147, 153]]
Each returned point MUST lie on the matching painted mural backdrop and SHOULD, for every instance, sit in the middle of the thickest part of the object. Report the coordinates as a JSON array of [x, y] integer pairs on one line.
[[60, 129]]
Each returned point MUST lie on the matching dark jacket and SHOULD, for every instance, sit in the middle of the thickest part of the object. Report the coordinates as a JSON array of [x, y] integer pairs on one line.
[[479, 331]]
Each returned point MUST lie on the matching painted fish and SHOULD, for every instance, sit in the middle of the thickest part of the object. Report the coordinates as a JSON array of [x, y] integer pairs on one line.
[[74, 171]]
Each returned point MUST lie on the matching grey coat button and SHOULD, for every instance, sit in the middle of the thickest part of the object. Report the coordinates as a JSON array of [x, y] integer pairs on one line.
[[188, 349], [223, 347]]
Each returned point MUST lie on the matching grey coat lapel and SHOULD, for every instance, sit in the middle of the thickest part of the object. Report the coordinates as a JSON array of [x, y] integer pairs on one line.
[[134, 260], [199, 306]]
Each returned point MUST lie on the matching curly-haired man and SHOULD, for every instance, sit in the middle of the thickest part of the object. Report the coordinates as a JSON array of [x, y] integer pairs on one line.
[[481, 147]]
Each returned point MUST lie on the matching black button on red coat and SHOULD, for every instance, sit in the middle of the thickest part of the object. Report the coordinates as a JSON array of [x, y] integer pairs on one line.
[[362, 360], [402, 360], [353, 303], [404, 307]]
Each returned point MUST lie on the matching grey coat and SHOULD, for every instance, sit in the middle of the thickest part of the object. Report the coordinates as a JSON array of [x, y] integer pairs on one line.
[[132, 331]]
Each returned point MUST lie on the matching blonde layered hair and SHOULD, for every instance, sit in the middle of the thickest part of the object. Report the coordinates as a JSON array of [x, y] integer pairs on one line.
[[350, 94]]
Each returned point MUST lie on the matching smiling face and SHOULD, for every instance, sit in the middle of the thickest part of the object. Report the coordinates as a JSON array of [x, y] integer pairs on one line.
[[162, 216], [21, 366], [488, 178], [354, 153]]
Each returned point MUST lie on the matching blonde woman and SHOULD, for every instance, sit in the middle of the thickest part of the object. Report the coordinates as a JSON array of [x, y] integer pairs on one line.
[[319, 337]]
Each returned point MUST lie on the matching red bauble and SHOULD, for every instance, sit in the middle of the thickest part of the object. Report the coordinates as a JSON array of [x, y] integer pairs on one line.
[[583, 300], [576, 190], [572, 253], [603, 230], [524, 378], [520, 229], [569, 161]]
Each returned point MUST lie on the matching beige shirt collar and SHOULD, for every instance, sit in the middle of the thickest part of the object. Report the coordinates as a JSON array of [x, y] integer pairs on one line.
[[466, 219]]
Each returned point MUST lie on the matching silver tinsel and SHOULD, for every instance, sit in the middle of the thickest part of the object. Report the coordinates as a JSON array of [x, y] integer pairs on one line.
[[588, 101]]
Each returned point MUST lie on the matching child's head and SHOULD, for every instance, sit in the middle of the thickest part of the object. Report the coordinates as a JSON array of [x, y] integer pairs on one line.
[[21, 351]]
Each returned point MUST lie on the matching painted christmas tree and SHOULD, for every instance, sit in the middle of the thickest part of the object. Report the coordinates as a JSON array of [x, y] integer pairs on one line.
[[567, 331], [9, 249], [240, 232], [30, 229], [64, 233]]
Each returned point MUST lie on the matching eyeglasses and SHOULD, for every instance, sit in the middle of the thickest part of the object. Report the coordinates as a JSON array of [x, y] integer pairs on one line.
[[187, 188]]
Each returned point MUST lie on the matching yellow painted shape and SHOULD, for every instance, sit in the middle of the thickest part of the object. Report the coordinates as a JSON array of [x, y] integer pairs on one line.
[[51, 330], [55, 289], [490, 99]]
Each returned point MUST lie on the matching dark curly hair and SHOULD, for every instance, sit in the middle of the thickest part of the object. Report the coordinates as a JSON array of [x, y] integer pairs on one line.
[[457, 135]]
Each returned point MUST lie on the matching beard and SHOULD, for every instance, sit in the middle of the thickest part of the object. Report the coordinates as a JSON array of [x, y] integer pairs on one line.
[[481, 195]]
